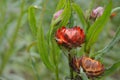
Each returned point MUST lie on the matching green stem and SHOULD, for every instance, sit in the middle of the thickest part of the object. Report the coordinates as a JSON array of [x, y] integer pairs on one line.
[[71, 25], [57, 72], [71, 71]]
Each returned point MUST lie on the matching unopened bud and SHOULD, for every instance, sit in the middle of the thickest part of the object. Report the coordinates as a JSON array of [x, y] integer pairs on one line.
[[113, 15], [96, 13], [57, 14]]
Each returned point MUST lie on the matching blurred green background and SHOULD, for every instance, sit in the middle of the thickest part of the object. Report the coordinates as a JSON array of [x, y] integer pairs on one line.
[[16, 37]]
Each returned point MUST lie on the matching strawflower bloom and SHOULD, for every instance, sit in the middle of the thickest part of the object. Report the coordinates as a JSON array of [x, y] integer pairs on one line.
[[70, 37], [92, 68], [96, 13]]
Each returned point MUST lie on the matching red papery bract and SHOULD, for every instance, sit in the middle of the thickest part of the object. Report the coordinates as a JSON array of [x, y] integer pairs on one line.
[[92, 67], [75, 64], [70, 37]]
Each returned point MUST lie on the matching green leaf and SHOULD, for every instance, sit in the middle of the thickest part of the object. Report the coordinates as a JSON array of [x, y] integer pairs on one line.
[[80, 15], [43, 48], [41, 41], [97, 27], [66, 14], [55, 56], [63, 19], [115, 9], [83, 75], [31, 45], [54, 51], [109, 46], [112, 69], [60, 5], [32, 20]]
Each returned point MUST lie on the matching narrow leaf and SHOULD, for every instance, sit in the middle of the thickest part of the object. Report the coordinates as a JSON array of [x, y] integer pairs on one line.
[[54, 51], [66, 14], [80, 14], [63, 19], [83, 75], [112, 69], [98, 26], [115, 9], [32, 20], [55, 56], [109, 46], [31, 45], [42, 48], [60, 5]]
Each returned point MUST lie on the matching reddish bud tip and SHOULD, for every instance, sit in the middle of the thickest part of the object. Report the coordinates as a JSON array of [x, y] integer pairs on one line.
[[113, 15]]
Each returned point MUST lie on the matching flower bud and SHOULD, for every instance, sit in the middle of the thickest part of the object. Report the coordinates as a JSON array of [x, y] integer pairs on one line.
[[70, 37], [75, 64], [92, 67], [57, 14], [113, 15], [96, 13]]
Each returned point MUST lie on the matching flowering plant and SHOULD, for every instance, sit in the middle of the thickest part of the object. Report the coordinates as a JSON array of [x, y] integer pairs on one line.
[[73, 40]]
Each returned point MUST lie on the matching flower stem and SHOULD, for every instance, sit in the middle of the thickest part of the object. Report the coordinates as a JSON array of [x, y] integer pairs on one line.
[[57, 72], [71, 71]]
